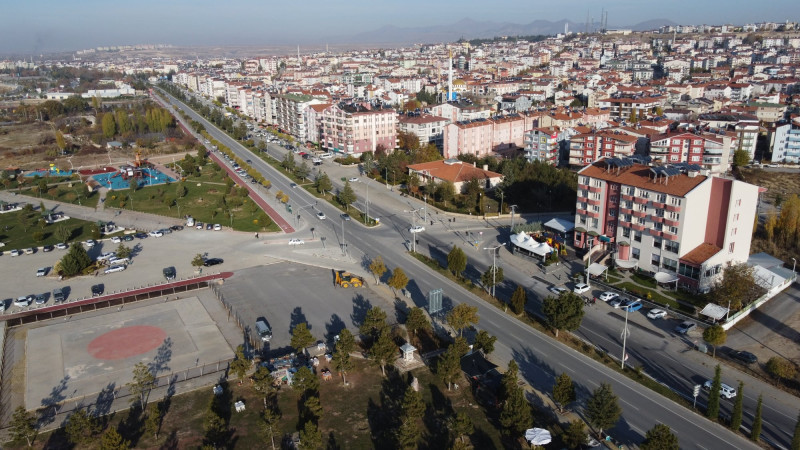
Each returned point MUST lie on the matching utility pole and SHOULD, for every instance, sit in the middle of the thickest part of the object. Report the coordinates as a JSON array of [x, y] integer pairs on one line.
[[589, 262], [413, 224], [513, 210], [625, 334], [494, 264], [344, 245]]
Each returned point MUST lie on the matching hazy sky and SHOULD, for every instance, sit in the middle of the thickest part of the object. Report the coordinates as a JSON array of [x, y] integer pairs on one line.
[[33, 26]]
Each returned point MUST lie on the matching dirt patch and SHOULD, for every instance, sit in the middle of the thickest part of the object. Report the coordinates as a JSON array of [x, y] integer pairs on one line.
[[776, 183]]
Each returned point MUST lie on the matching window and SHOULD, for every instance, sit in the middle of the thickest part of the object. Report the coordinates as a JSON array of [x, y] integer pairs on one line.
[[612, 213], [673, 230], [658, 226], [659, 212], [671, 246], [674, 216], [634, 253], [656, 260], [637, 236], [675, 201], [657, 243], [626, 232], [670, 264], [689, 271], [731, 247], [733, 231]]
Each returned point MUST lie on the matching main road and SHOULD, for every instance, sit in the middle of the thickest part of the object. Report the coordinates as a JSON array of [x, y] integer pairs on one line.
[[540, 358]]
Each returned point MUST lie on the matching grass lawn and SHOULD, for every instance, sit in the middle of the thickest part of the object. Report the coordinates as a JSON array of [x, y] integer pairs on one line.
[[14, 234], [207, 198], [65, 193]]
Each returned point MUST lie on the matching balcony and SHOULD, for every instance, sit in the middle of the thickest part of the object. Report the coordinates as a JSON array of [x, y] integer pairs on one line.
[[658, 205], [625, 210], [671, 223], [673, 208], [595, 189], [592, 214], [640, 214], [668, 235], [627, 197], [622, 223], [656, 233], [638, 227], [641, 200], [594, 202], [657, 219]]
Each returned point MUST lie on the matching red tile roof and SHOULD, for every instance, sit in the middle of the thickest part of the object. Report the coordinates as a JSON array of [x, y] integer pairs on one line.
[[641, 176]]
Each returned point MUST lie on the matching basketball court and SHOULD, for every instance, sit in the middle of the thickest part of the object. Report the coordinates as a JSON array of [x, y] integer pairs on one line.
[[81, 356]]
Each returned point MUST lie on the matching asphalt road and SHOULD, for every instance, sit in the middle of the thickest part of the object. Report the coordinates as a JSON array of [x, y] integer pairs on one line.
[[540, 358]]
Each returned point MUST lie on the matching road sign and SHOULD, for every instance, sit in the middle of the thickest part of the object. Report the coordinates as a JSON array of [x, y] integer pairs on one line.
[[696, 392], [435, 301]]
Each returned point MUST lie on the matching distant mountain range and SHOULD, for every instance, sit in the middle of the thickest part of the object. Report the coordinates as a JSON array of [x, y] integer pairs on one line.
[[472, 29]]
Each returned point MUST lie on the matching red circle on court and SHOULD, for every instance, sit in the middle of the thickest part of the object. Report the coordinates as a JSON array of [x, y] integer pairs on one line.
[[126, 342]]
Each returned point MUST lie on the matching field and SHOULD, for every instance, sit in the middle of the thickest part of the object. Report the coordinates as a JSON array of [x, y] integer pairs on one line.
[[14, 234], [776, 183]]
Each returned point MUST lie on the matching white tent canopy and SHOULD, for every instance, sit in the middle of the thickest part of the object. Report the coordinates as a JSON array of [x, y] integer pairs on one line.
[[716, 312], [525, 242], [626, 264], [560, 225], [597, 269], [538, 436], [665, 277]]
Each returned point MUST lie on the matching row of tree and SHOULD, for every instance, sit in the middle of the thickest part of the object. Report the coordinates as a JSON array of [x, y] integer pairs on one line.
[[120, 122]]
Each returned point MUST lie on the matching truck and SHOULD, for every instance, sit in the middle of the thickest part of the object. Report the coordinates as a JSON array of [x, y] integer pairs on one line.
[[346, 279]]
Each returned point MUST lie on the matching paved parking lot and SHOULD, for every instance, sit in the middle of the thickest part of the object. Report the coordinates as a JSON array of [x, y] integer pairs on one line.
[[288, 293]]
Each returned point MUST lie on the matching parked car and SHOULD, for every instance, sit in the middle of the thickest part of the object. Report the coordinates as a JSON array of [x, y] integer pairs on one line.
[[743, 356], [295, 241], [90, 243], [155, 233], [169, 273], [321, 216], [5, 304], [58, 295], [140, 235], [47, 248], [416, 229], [199, 225], [616, 303], [29, 250], [113, 269], [62, 246], [209, 226], [345, 217], [580, 288], [212, 262], [656, 314], [352, 179], [97, 289], [608, 296], [16, 252], [685, 327], [557, 290], [42, 271], [23, 300], [632, 306], [176, 228], [127, 238], [263, 330], [116, 240], [106, 256], [217, 227], [724, 390], [41, 299]]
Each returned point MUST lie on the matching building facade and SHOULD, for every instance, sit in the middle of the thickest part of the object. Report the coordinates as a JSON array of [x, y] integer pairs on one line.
[[586, 148], [355, 129], [786, 145]]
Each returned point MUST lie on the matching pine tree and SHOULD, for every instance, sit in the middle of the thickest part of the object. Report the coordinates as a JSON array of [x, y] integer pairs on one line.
[[152, 423], [301, 337], [412, 407], [449, 366], [461, 426], [347, 196], [456, 261], [310, 437], [143, 381], [374, 322], [484, 342], [755, 433], [112, 440], [602, 409], [563, 391], [240, 364], [408, 434], [518, 300], [383, 350], [575, 434], [305, 382], [81, 427], [736, 416], [515, 416], [563, 312], [342, 362], [270, 430], [712, 411], [417, 321], [660, 437], [509, 380], [23, 426], [462, 316], [796, 437]]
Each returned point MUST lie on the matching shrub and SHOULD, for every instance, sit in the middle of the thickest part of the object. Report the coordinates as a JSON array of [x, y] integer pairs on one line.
[[780, 368]]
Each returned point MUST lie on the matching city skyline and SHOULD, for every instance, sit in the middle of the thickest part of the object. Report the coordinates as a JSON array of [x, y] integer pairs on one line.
[[50, 26]]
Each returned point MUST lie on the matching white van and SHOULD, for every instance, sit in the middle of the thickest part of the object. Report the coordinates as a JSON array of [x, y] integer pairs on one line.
[[190, 221], [118, 261], [262, 329]]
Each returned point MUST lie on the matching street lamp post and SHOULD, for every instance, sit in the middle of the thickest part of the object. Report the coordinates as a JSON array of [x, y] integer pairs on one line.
[[625, 333], [589, 262], [794, 264], [343, 241], [513, 210], [411, 232], [494, 264], [367, 205]]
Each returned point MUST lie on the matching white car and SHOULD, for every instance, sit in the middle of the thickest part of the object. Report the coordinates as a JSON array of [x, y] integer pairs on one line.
[[416, 229], [724, 390], [62, 246], [90, 243], [352, 179], [656, 314], [580, 288], [16, 252], [296, 242], [23, 300], [113, 269], [42, 271], [155, 233], [217, 227], [326, 155], [116, 239], [557, 290], [321, 216], [106, 256], [608, 296], [29, 251]]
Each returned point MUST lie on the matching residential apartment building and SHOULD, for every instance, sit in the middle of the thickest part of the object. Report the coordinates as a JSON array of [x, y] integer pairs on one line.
[[621, 108], [669, 219], [542, 144], [786, 144], [586, 148], [290, 113], [355, 129], [712, 151], [426, 127]]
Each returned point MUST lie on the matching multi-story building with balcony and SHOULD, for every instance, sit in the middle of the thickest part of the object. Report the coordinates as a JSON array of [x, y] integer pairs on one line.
[[713, 151], [290, 113], [426, 127], [621, 108], [786, 144], [541, 144], [355, 129], [669, 219], [586, 148]]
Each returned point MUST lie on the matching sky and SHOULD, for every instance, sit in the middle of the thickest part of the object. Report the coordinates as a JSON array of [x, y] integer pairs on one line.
[[41, 26]]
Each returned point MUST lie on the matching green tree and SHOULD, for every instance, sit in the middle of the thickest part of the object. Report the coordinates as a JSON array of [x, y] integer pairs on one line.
[[342, 361], [38, 236], [449, 365], [509, 380], [398, 280], [302, 171], [741, 158], [81, 427], [262, 381], [412, 406], [313, 408], [240, 365], [60, 141], [417, 320], [305, 382], [492, 277], [288, 162], [23, 426], [374, 322], [445, 191], [796, 436], [602, 409], [75, 261], [484, 342], [462, 316], [112, 440], [347, 195], [407, 434], [519, 299], [515, 415], [660, 437], [152, 423], [142, 383], [123, 251], [755, 432], [310, 437], [270, 421], [563, 312], [716, 336], [457, 261], [563, 391], [712, 410], [738, 408], [63, 233], [301, 337], [780, 368], [377, 267], [198, 261], [109, 126], [323, 183], [461, 427], [215, 428], [737, 285], [575, 434], [383, 350]]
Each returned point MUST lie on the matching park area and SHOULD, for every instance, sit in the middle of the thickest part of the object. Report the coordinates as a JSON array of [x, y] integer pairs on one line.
[[27, 228]]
